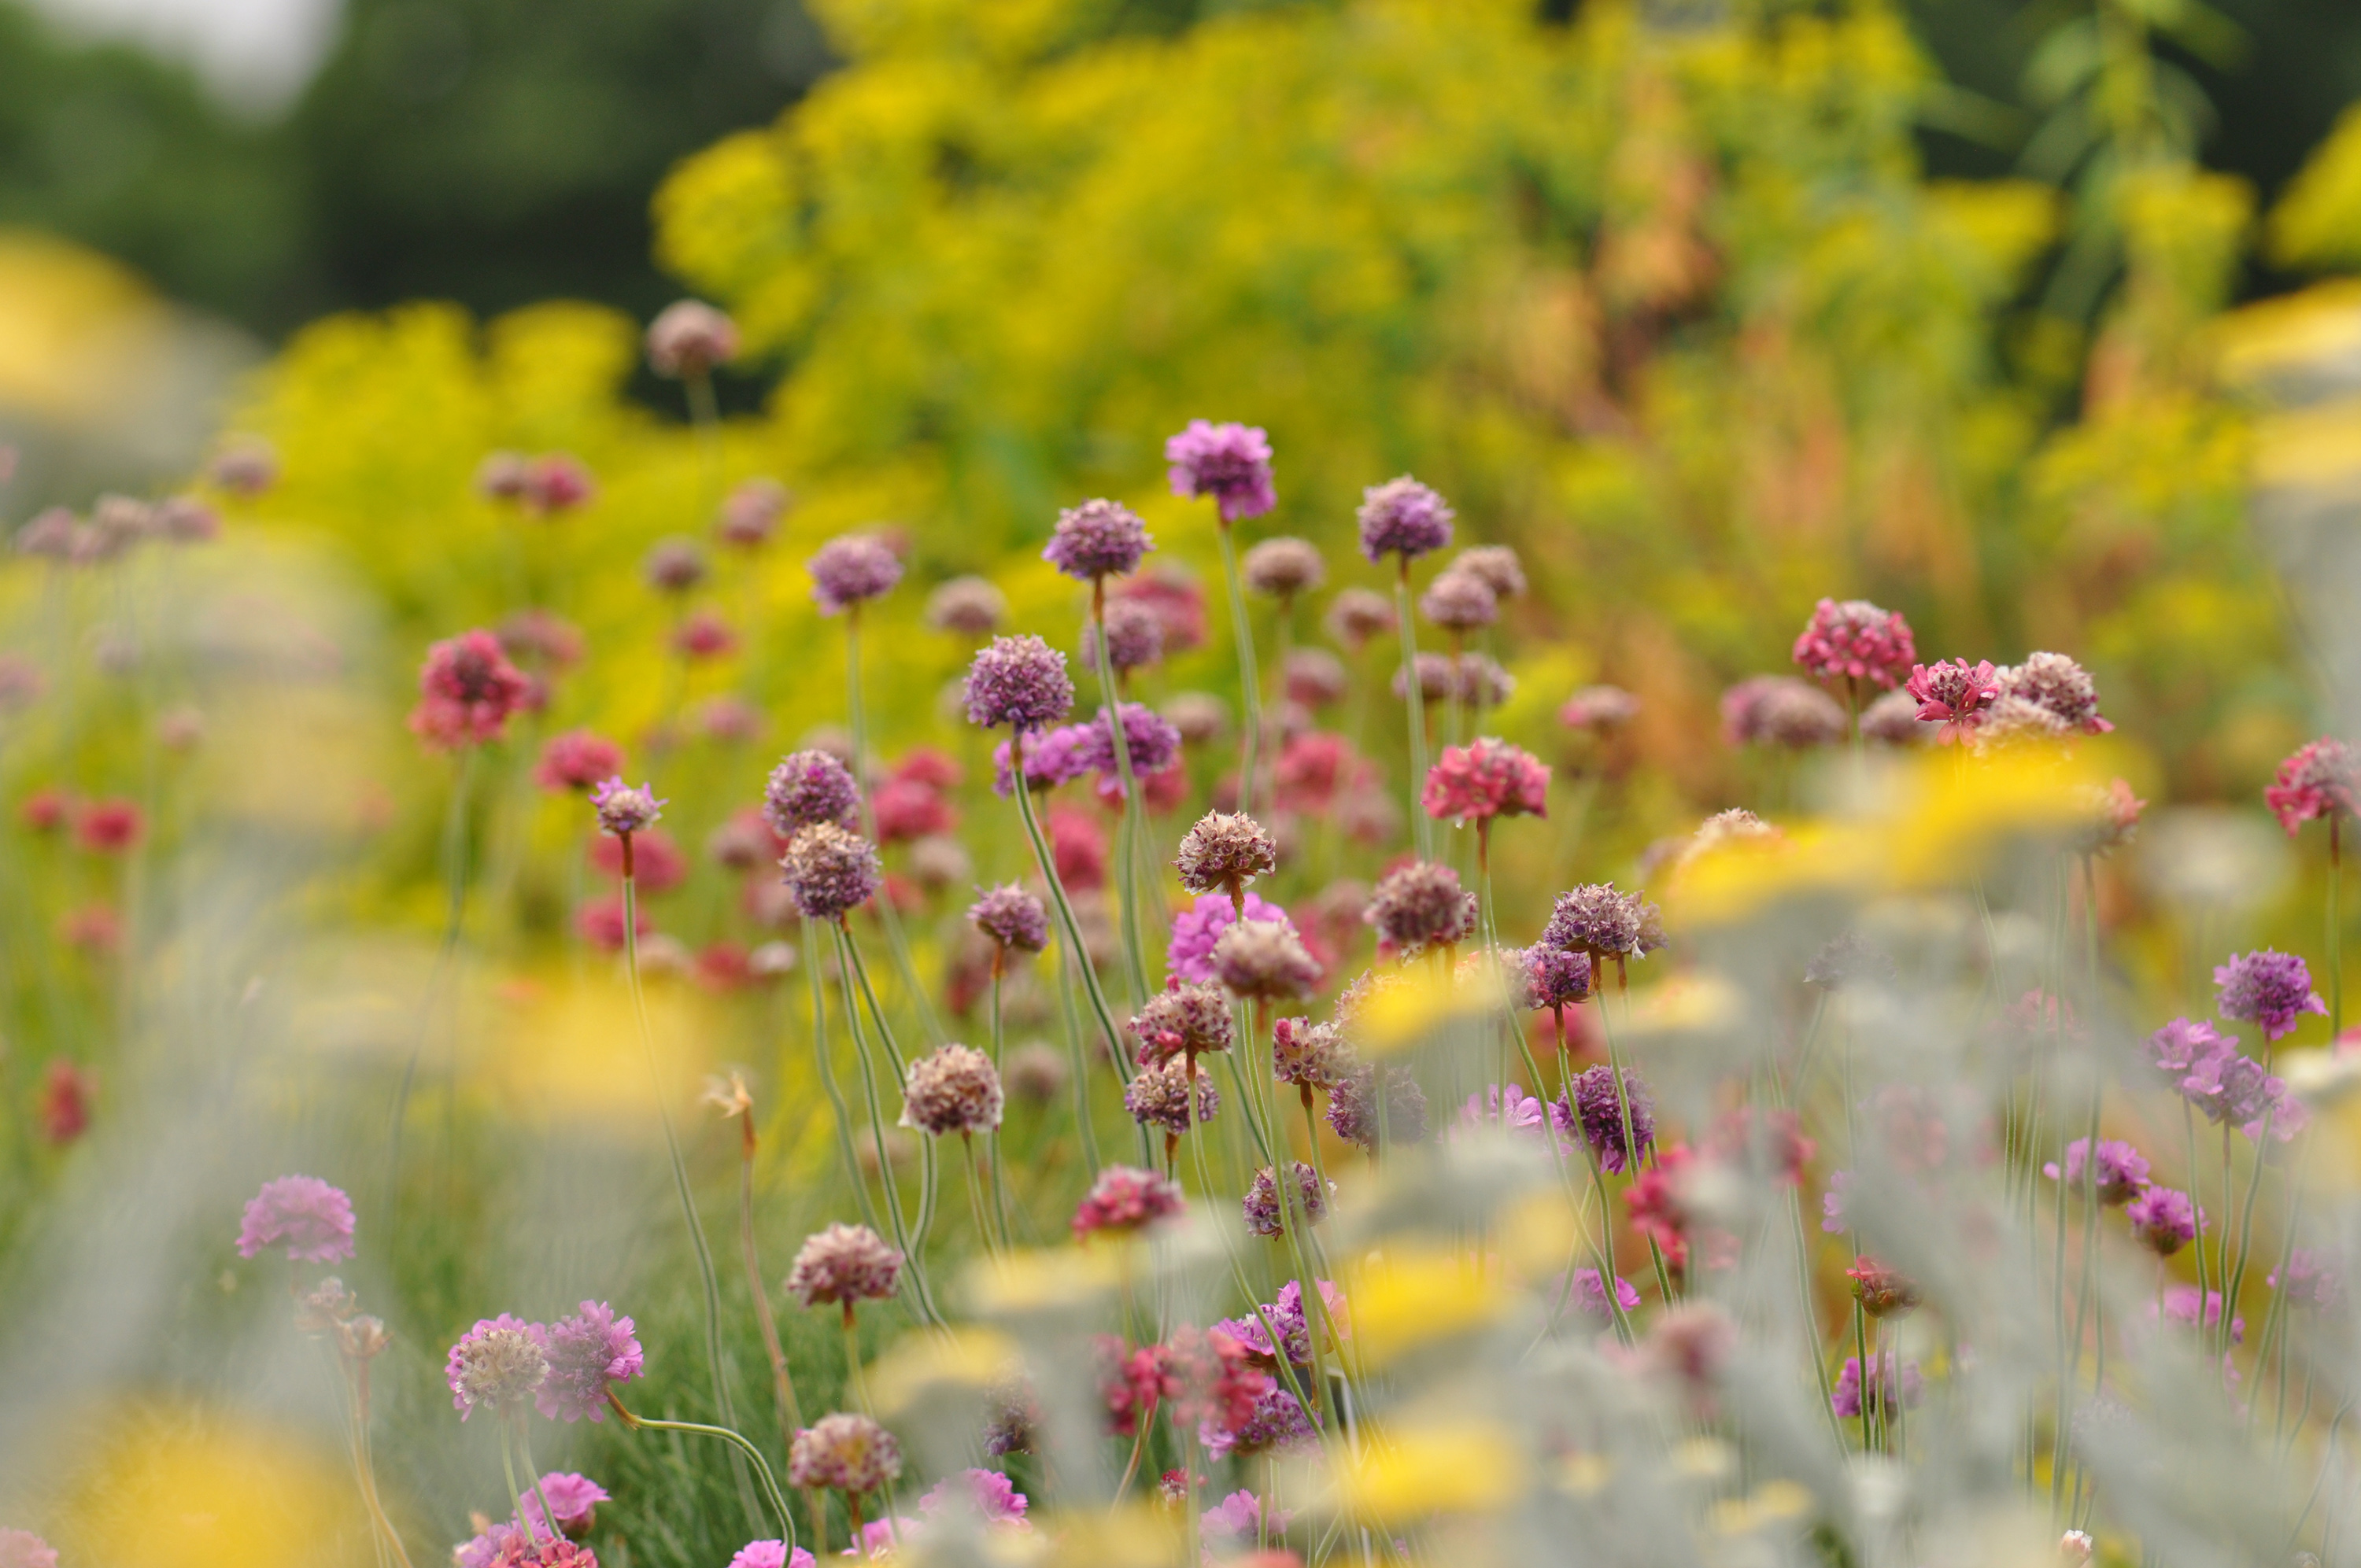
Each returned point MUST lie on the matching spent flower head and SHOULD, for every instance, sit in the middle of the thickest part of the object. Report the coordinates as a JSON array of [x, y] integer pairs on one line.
[[830, 870], [497, 1365], [846, 1453], [1421, 905], [1264, 960], [1223, 853], [2059, 686], [954, 1088]]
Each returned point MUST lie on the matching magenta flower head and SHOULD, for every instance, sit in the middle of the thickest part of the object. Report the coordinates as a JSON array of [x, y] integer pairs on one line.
[[954, 1088], [1230, 463], [573, 1498], [624, 810], [1189, 956], [1403, 518], [1181, 1020], [2059, 688], [2268, 988], [1012, 917], [2177, 1049], [809, 787], [770, 1554], [1018, 682], [1954, 694], [576, 760], [1283, 568], [848, 571], [1150, 738], [303, 1213], [1224, 852], [842, 1264], [689, 338], [2163, 1221], [2321, 782], [2314, 1279], [1890, 1385], [830, 870], [1856, 641], [1370, 1100], [467, 690], [1264, 960], [1126, 1200], [1134, 636], [2122, 1174], [845, 1453], [1485, 779], [497, 1365], [1600, 1111], [1421, 905], [1098, 539], [585, 1352], [1597, 920]]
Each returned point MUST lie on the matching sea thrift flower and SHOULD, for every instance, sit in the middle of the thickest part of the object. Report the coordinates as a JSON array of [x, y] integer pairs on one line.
[[23, 1549], [1598, 708], [1012, 917], [1888, 1386], [1158, 1097], [1055, 757], [1036, 1072], [673, 567], [1127, 1200], [1135, 637], [1485, 779], [245, 466], [1078, 848], [1459, 602], [1780, 710], [601, 921], [1600, 1113], [1098, 539], [2268, 988], [1219, 1384], [624, 810], [1856, 641], [1189, 955], [1261, 1206], [1264, 958], [1223, 853], [108, 827], [1019, 683], [2059, 685], [842, 1264], [993, 1497], [1354, 1103], [2176, 1049], [2321, 781], [576, 760], [573, 1498], [557, 482], [303, 1213], [1882, 1291], [1590, 1295], [1549, 976], [1597, 920], [1308, 1055], [845, 1453], [1133, 1383], [66, 1092], [2314, 1279], [1230, 463], [2122, 1172], [1953, 693], [467, 690], [1420, 905], [1356, 615], [2013, 722], [1283, 568], [1175, 597], [1314, 677], [2163, 1221], [830, 870], [1403, 518], [1438, 678], [2112, 815], [767, 1554], [1691, 1346], [2234, 1088], [1832, 1201], [1277, 1425], [704, 635], [848, 571], [1893, 719], [1150, 743], [750, 512], [907, 810], [689, 338], [2181, 1307], [954, 1088], [658, 866], [497, 1365], [969, 607], [586, 1353]]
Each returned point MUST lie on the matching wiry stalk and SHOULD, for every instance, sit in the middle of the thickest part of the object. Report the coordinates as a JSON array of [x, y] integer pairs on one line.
[[1249, 677]]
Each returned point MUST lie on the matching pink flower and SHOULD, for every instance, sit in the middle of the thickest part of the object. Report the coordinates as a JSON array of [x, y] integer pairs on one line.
[[1228, 462], [771, 1554], [2323, 780], [467, 690], [571, 1498], [1127, 1198], [1078, 847], [996, 1499], [23, 1549], [1857, 640], [311, 1218], [65, 1102], [555, 482], [108, 827], [910, 808], [585, 1352], [1196, 929], [704, 635], [576, 760], [1954, 694], [600, 922], [1486, 779], [1239, 1517]]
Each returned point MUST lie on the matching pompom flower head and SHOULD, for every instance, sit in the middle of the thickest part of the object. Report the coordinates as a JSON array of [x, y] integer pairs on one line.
[[849, 571], [1402, 518], [585, 1352], [1013, 918], [2121, 1176], [1283, 568], [1264, 960], [576, 760], [1356, 615], [1228, 462], [1159, 1097], [497, 1365], [954, 1088], [1459, 601], [1421, 905], [2321, 782], [1597, 920], [2266, 988], [467, 689], [1224, 852], [302, 1214], [1189, 955], [689, 338], [1853, 640], [2163, 1221], [1601, 1113], [1018, 682], [1183, 1019], [1098, 539], [624, 810], [842, 1264], [2059, 688], [1954, 694], [1265, 1215], [809, 787], [1127, 1200], [1598, 708], [830, 870], [1485, 779], [845, 1453], [967, 606], [1135, 637]]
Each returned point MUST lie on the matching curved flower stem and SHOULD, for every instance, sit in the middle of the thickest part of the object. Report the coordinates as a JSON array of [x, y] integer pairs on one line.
[[927, 1160], [761, 1465], [507, 1468], [1249, 675], [919, 1297], [1422, 832], [782, 1383], [828, 1080], [532, 1473], [1126, 881]]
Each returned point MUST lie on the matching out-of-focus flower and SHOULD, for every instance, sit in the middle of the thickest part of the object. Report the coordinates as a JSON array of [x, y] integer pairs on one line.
[[1496, 564], [2059, 685], [1373, 1101], [1035, 1072], [2268, 988], [1854, 639], [624, 809], [1277, 1425], [750, 512], [557, 482], [1690, 1346], [45, 810], [1018, 682], [1223, 853], [1098, 539], [1780, 710], [467, 689], [1011, 918], [1174, 595], [1597, 920], [66, 1092], [689, 338], [1600, 1112], [1159, 1097], [21, 681], [703, 634], [184, 519], [2114, 817], [1459, 601], [501, 475], [538, 637], [244, 464], [1314, 677], [109, 827], [808, 787], [2163, 1221], [1189, 956], [52, 535], [2012, 722], [1403, 518], [1283, 568], [2321, 781], [1135, 637], [601, 921], [967, 606], [1356, 615], [1133, 1383], [1894, 721], [585, 1352], [497, 1365], [2315, 1278], [2181, 1307], [1183, 1019], [2122, 1173], [673, 567], [1954, 694], [576, 760], [851, 569], [1896, 1380], [1309, 1056], [302, 1214], [993, 1497], [1438, 678], [23, 1549], [830, 870], [1882, 1291], [1267, 1218], [1659, 1198], [1485, 779], [1264, 960], [1845, 959], [846, 1453], [1078, 848], [1596, 709], [573, 1498], [1228, 462], [94, 927], [1127, 1200], [1421, 905], [953, 1088], [1315, 769], [843, 1265]]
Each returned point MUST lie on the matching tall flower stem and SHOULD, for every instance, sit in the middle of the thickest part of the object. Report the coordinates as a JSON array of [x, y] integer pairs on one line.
[[1421, 831], [1126, 880], [975, 1199], [928, 1177], [919, 1297], [533, 1475], [1249, 675], [827, 1079], [705, 1272], [762, 1466], [507, 1468], [1623, 1104]]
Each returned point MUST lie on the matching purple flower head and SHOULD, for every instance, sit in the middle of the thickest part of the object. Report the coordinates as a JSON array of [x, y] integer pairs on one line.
[[1856, 641], [1052, 758], [2322, 780], [2163, 1221], [1421, 905], [572, 1497], [2181, 1308], [1018, 682], [585, 1352], [1230, 463], [1159, 1097], [1149, 737], [1125, 1199], [1191, 1019], [1012, 917], [1780, 710], [2122, 1173], [1134, 636], [1308, 1055], [2176, 1049], [2060, 688], [1496, 564], [1098, 539], [2231, 1088], [1403, 517], [2314, 1279], [1597, 919], [809, 787], [624, 810], [1551, 977], [1601, 1110], [1263, 1215], [953, 1088], [751, 511], [1907, 1385], [1954, 694], [1190, 954], [1223, 853], [1265, 959], [2268, 988], [1590, 1295], [842, 1264], [830, 872], [845, 1453], [1277, 1426], [1356, 615], [1355, 1103], [303, 1213], [848, 571], [497, 1365]]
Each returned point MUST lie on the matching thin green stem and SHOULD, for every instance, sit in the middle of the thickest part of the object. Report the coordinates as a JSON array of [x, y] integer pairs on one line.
[[920, 1299], [1249, 675], [827, 1079], [762, 1466], [927, 1174], [1134, 811], [1421, 831]]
